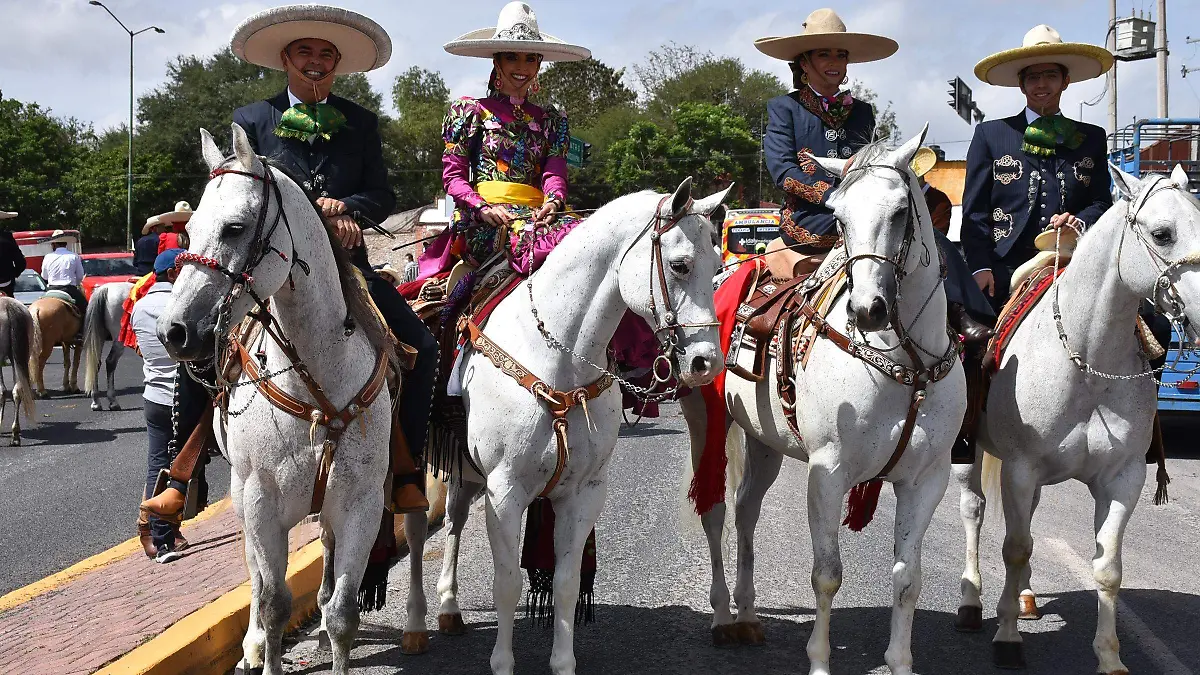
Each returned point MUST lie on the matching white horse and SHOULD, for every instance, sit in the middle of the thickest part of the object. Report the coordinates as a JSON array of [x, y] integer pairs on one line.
[[254, 236], [647, 253], [1049, 421], [849, 414], [103, 322]]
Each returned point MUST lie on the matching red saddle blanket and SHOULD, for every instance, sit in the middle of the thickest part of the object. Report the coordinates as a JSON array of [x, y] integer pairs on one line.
[[1023, 299]]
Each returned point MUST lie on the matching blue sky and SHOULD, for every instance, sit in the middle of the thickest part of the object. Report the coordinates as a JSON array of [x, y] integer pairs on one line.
[[73, 58]]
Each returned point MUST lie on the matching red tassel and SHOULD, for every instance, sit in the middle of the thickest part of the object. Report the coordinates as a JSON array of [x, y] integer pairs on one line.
[[708, 482], [861, 505]]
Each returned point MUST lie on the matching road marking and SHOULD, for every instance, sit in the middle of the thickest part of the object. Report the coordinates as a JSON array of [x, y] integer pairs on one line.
[[101, 559], [1154, 648]]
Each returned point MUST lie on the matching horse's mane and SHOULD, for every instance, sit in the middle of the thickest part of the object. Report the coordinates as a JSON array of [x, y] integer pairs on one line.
[[358, 305], [865, 156]]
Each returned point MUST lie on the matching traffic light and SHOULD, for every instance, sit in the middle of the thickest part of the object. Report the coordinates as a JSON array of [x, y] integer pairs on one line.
[[960, 98], [587, 154]]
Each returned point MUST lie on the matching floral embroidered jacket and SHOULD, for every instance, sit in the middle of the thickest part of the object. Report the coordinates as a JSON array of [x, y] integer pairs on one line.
[[800, 123], [1009, 196], [502, 139]]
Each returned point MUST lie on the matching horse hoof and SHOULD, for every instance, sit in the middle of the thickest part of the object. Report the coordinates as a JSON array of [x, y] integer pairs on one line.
[[96, 407], [725, 635], [412, 644], [1029, 608], [16, 442], [969, 620], [114, 406], [451, 624], [750, 633], [323, 643], [243, 669], [1008, 655]]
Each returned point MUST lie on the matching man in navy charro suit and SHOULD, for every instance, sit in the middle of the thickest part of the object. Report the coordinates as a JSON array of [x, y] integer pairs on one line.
[[1036, 170]]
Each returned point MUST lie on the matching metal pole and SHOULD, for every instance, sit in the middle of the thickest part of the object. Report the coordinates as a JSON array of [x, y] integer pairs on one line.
[[1111, 43], [129, 171], [1160, 39]]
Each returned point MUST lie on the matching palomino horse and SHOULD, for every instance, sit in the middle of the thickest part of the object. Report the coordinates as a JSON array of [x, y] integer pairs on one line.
[[256, 235], [16, 328], [1084, 412], [648, 253], [103, 322], [55, 323], [851, 418]]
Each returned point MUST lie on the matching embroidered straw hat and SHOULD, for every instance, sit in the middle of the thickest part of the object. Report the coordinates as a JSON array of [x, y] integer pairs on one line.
[[1043, 44], [923, 161], [1045, 255], [824, 29], [516, 31], [363, 44]]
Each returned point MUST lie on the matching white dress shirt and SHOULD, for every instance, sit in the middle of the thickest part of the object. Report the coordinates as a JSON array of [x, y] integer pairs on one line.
[[62, 267]]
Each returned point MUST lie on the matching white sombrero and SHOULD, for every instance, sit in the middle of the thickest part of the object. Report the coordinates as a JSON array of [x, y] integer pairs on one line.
[[1043, 44], [363, 44], [923, 161], [516, 31], [181, 214], [5, 215], [59, 237], [824, 29]]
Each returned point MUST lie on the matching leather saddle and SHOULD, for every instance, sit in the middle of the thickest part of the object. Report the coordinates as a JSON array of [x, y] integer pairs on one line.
[[758, 318]]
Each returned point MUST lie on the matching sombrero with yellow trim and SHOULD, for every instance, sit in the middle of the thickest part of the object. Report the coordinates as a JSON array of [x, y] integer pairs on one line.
[[1043, 44], [824, 29], [923, 161]]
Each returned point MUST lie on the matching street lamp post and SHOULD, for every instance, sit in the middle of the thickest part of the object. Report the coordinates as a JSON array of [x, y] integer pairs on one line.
[[129, 170]]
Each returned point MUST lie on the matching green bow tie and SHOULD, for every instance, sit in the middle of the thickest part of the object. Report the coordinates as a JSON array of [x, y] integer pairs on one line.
[[1046, 133], [307, 121]]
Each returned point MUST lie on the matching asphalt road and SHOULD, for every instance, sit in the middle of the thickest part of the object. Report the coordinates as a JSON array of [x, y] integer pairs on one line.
[[652, 586], [72, 489]]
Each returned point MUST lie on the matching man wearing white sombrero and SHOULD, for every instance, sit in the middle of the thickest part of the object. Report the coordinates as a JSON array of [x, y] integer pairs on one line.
[[160, 233], [1036, 170]]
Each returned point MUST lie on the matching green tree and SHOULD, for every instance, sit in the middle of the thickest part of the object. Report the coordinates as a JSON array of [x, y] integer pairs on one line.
[[39, 151], [412, 144], [584, 90], [98, 190], [886, 127]]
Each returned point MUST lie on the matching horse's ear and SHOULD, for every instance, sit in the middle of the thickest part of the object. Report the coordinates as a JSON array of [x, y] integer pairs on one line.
[[1126, 185], [905, 153], [682, 199], [244, 151], [709, 205], [1180, 177], [208, 149], [832, 166]]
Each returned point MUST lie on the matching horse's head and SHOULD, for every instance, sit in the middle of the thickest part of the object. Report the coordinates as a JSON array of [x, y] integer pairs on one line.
[[1165, 220], [241, 249], [876, 210], [666, 275]]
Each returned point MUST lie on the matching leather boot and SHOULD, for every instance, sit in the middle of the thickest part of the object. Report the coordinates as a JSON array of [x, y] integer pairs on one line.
[[143, 530], [973, 332], [167, 505], [407, 479]]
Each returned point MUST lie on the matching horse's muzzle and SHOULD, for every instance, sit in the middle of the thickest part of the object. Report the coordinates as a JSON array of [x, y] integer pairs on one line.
[[701, 366], [186, 340], [872, 317]]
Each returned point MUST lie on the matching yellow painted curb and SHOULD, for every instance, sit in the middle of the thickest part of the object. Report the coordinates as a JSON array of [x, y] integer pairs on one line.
[[209, 640], [59, 579]]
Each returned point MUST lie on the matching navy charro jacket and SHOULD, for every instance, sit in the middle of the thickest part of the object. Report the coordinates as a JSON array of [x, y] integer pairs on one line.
[[793, 131], [349, 167], [1009, 196]]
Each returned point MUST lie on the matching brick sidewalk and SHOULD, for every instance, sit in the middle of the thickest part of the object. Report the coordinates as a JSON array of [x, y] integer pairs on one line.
[[100, 616]]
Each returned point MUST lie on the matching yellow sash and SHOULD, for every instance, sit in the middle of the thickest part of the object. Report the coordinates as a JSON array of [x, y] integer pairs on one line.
[[503, 192]]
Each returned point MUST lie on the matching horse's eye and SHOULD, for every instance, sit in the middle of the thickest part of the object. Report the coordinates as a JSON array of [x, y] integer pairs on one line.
[[232, 230], [1163, 236], [681, 268]]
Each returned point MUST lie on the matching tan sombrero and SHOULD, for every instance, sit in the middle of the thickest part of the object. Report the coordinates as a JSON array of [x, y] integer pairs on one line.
[[1043, 44], [824, 29], [1045, 255], [363, 44], [516, 31], [389, 271], [923, 161], [181, 214], [150, 222]]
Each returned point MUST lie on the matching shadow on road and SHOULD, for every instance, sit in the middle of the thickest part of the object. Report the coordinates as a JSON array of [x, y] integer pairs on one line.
[[48, 432], [646, 430]]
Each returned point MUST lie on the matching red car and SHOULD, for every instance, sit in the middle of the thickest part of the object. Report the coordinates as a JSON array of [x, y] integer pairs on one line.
[[103, 268]]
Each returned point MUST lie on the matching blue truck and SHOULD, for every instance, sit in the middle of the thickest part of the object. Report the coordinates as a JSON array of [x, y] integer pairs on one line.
[[1156, 146]]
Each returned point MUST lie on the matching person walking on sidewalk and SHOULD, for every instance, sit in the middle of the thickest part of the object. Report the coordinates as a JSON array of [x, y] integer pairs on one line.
[[160, 538]]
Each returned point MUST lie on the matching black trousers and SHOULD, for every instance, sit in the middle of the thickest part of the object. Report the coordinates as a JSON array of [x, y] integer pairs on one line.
[[416, 396], [158, 457], [191, 399]]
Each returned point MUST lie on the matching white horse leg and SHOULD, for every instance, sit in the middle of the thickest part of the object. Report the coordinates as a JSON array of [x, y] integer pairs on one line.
[[762, 468], [268, 540], [458, 509], [506, 502], [255, 641], [1115, 502], [328, 583], [574, 518], [713, 521], [971, 507], [826, 489], [1018, 488], [915, 504], [354, 534], [1028, 601], [416, 636]]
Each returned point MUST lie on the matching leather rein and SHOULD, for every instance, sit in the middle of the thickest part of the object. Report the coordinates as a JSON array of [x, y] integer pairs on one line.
[[324, 413], [916, 377]]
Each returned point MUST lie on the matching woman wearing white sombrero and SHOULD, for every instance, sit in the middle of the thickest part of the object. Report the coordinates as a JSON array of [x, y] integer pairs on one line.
[[505, 158], [1036, 170], [819, 118]]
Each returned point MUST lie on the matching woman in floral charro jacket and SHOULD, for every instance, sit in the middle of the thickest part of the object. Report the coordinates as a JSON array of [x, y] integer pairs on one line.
[[505, 158]]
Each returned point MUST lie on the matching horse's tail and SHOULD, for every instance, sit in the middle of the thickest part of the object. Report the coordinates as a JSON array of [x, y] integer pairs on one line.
[[94, 333], [35, 345], [20, 329], [989, 481]]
